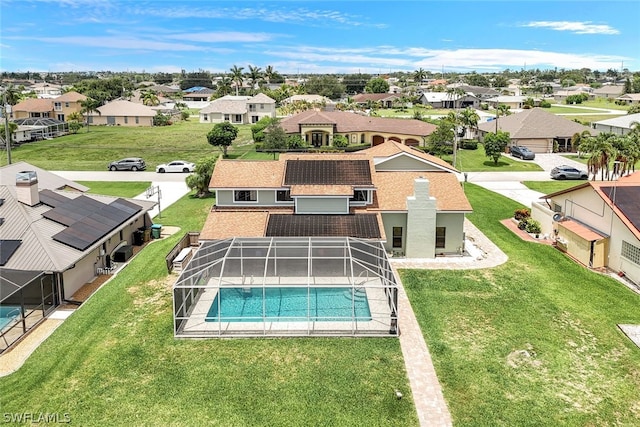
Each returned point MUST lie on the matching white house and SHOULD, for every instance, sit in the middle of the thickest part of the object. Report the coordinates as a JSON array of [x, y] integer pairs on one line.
[[238, 109]]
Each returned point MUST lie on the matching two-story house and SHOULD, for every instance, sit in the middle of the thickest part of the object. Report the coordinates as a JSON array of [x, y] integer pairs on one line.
[[66, 104], [238, 109], [409, 200]]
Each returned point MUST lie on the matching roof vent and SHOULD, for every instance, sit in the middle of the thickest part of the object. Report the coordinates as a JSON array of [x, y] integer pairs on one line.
[[27, 188]]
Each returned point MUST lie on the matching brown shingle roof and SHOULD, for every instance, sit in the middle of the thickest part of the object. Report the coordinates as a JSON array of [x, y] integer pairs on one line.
[[535, 124], [391, 148], [364, 97], [247, 174], [70, 97], [226, 224]]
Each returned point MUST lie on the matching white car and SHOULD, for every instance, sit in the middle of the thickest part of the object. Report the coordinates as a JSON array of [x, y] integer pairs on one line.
[[176, 166]]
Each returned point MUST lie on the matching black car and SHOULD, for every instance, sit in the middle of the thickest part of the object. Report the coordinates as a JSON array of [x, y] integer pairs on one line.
[[523, 152], [128, 164]]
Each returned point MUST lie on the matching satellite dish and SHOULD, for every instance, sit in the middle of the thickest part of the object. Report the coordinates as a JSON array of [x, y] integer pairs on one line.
[[557, 217]]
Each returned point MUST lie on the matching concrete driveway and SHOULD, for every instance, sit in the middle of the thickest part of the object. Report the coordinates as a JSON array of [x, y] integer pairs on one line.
[[172, 185]]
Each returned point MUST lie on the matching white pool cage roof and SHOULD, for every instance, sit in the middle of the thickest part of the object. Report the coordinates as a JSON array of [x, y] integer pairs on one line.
[[286, 286]]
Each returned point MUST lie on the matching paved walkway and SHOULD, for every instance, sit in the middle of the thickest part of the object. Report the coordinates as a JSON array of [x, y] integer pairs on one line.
[[427, 393]]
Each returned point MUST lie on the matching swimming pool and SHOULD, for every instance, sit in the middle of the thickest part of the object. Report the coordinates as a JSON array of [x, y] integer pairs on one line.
[[7, 314], [289, 305]]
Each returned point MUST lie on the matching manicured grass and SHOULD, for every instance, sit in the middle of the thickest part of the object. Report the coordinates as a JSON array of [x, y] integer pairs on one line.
[[93, 150], [603, 103], [409, 112], [115, 362], [590, 118], [548, 187], [562, 109], [119, 189], [533, 342], [477, 161]]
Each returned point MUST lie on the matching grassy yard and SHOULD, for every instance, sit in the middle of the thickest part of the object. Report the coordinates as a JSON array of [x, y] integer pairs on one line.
[[590, 118], [119, 189], [477, 161], [93, 150], [603, 103], [115, 362], [564, 110], [548, 187], [533, 342]]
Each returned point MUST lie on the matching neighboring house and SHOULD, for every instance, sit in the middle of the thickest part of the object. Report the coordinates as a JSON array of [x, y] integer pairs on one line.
[[66, 104], [480, 92], [122, 113], [385, 100], [45, 90], [619, 125], [514, 102], [562, 94], [448, 100], [39, 128], [597, 223], [239, 109], [609, 91], [318, 128], [409, 200], [33, 107], [197, 94], [311, 99], [629, 98], [54, 239], [537, 129]]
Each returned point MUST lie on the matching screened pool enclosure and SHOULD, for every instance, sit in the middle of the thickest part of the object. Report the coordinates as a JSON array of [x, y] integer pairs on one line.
[[280, 286]]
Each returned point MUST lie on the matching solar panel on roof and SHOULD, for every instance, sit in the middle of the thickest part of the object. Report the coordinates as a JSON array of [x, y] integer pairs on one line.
[[327, 172], [363, 226], [7, 249], [53, 199], [627, 199]]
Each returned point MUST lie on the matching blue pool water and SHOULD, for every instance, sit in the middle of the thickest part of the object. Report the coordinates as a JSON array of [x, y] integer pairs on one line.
[[289, 305], [7, 314]]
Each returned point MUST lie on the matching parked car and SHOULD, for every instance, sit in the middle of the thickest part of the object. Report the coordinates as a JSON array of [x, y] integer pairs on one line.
[[523, 152], [128, 164], [176, 166], [568, 172]]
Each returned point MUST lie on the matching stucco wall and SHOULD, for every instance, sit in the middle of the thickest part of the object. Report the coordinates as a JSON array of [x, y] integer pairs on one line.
[[404, 163], [312, 205], [454, 224], [390, 220]]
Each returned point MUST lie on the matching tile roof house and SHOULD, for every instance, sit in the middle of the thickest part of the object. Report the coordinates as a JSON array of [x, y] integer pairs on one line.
[[621, 125], [66, 104], [122, 113], [33, 107], [411, 201], [609, 91], [238, 109], [537, 129], [629, 98], [312, 99], [597, 223], [55, 236], [319, 127], [448, 100]]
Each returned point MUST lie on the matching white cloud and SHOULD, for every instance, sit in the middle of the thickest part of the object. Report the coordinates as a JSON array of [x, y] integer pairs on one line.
[[585, 27], [220, 37], [113, 42]]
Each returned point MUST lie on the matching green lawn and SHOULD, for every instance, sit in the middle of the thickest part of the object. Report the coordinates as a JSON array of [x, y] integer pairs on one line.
[[548, 187], [115, 362], [93, 150], [562, 110], [533, 342], [603, 103], [477, 161], [119, 189], [590, 118]]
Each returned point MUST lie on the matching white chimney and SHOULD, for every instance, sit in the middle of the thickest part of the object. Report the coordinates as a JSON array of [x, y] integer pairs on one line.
[[27, 188]]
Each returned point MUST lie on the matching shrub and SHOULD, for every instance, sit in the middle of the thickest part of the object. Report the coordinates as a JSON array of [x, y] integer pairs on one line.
[[522, 225], [484, 106], [545, 104], [340, 141], [469, 144], [533, 226], [521, 214]]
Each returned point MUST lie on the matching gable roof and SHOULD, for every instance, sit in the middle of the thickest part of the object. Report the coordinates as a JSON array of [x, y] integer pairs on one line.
[[623, 196], [123, 108], [70, 97], [536, 123], [350, 122], [631, 96], [625, 121], [609, 90], [261, 98], [35, 105], [226, 106], [364, 97], [390, 149]]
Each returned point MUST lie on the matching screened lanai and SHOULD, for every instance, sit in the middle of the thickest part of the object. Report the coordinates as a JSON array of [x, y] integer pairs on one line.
[[286, 286]]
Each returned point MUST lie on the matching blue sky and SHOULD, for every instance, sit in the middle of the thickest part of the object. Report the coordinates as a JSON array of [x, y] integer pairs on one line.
[[318, 36]]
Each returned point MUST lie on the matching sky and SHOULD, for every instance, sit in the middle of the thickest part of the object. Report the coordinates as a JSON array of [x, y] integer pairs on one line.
[[307, 37]]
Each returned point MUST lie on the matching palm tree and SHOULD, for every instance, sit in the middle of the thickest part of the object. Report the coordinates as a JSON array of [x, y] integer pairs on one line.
[[89, 106], [224, 86], [469, 119], [150, 98], [255, 75], [578, 141], [237, 77], [12, 95], [269, 73], [419, 75], [601, 154]]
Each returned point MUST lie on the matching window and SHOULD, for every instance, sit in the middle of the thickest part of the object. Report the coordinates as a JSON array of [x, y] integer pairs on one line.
[[283, 196], [252, 107], [245, 196], [441, 233], [397, 237], [126, 119], [254, 119], [89, 119], [205, 117], [66, 104], [630, 252], [237, 118], [57, 106], [137, 119], [262, 106], [226, 117], [360, 196], [61, 117]]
